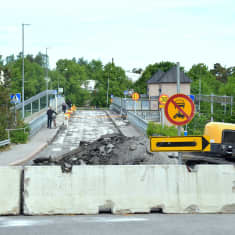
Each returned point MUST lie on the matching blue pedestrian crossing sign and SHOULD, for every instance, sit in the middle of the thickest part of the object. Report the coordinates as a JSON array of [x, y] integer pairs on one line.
[[16, 98]]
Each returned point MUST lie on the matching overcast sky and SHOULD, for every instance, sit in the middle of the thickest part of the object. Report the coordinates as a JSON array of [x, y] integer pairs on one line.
[[134, 32]]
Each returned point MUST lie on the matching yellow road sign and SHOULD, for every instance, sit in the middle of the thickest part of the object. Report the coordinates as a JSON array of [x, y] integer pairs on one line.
[[163, 99], [135, 96], [180, 144], [179, 109]]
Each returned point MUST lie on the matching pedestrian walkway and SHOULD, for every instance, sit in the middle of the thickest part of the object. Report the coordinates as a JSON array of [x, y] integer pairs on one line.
[[20, 153]]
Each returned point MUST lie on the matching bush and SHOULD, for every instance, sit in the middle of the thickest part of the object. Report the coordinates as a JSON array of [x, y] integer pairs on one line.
[[197, 124], [157, 129], [18, 136]]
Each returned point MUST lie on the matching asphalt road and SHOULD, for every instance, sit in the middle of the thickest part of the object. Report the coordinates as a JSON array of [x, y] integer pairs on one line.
[[83, 125], [105, 224]]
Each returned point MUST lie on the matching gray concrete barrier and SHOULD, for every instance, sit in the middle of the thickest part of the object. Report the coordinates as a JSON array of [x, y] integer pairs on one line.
[[129, 189], [10, 190]]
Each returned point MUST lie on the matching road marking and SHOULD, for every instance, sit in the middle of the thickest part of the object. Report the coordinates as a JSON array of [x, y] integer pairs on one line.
[[56, 149], [22, 223]]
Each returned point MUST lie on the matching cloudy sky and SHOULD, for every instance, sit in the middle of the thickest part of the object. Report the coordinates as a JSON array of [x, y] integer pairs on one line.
[[134, 32]]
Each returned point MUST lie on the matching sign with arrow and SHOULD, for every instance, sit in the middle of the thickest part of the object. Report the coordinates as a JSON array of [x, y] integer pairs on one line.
[[180, 144]]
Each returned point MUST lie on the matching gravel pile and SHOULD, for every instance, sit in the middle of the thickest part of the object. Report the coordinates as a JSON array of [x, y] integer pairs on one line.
[[112, 149]]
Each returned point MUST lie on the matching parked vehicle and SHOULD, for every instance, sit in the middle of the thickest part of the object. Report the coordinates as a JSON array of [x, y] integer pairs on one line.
[[222, 138]]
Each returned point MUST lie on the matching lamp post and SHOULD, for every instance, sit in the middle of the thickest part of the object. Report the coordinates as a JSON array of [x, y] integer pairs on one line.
[[107, 98], [47, 78], [23, 69]]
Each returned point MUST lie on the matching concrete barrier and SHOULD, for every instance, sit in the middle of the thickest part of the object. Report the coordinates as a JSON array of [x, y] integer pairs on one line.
[[129, 189], [10, 178]]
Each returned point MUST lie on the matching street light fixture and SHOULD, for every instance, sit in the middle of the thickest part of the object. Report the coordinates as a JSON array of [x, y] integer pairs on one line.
[[23, 69]]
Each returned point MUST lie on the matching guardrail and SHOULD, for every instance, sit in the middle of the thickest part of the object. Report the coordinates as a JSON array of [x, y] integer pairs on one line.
[[137, 121], [5, 142]]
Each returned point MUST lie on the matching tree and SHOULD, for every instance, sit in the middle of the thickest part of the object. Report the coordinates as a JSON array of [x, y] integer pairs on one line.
[[140, 85], [220, 72]]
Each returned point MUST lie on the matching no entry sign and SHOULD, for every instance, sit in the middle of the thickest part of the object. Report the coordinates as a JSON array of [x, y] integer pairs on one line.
[[179, 109]]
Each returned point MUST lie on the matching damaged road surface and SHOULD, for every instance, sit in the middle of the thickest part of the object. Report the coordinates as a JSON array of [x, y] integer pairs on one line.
[[108, 149]]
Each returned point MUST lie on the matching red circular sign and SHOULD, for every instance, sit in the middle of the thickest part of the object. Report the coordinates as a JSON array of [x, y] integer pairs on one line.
[[179, 109]]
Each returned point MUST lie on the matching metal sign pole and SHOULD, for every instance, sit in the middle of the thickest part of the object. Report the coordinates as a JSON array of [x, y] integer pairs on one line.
[[178, 91]]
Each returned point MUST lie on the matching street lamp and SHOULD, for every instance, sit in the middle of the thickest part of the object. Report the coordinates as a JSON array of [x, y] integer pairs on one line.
[[107, 98], [47, 78], [23, 69]]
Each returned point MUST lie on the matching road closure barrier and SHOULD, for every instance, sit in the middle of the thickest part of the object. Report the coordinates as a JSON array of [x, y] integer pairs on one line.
[[10, 189], [129, 189]]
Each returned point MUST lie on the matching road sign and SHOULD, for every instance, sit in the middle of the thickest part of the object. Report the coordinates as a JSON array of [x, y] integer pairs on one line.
[[135, 96], [192, 97], [179, 109], [15, 98], [163, 99], [111, 96], [180, 144], [126, 92]]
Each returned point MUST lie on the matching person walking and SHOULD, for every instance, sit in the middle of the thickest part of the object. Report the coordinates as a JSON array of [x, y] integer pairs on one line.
[[50, 113], [64, 107], [54, 118]]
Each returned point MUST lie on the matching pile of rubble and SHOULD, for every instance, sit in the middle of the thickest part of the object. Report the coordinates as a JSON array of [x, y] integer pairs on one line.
[[112, 149]]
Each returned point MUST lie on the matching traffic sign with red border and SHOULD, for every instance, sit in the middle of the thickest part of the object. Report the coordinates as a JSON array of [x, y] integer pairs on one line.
[[179, 109], [135, 96], [163, 99]]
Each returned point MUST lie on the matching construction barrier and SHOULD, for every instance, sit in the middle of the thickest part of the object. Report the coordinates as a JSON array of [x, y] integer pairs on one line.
[[10, 190], [129, 189]]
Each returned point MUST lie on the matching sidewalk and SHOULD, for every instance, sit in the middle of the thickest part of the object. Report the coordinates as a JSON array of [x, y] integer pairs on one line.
[[20, 153]]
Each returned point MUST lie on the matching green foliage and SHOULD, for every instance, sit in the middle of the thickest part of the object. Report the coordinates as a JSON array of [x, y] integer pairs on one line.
[[157, 129], [140, 86], [18, 136], [197, 124]]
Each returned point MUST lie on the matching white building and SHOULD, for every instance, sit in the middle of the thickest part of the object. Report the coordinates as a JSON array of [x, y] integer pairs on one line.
[[89, 85], [1, 77], [132, 76]]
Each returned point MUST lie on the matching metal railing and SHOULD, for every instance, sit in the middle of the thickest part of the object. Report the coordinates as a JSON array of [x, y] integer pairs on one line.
[[5, 142], [137, 121]]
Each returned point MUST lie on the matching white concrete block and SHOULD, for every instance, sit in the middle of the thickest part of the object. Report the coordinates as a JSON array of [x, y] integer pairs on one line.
[[10, 190], [129, 189]]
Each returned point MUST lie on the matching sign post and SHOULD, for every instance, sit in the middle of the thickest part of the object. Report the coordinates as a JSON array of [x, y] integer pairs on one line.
[[135, 97], [162, 101], [179, 110], [15, 99]]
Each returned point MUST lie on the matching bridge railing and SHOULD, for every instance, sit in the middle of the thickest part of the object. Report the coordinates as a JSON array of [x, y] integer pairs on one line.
[[139, 113]]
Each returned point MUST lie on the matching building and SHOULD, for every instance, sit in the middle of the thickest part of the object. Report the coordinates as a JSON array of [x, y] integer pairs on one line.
[[89, 85], [166, 83]]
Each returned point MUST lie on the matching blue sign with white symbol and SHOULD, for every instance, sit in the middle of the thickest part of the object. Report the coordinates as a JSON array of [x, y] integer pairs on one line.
[[192, 97], [111, 95], [126, 92], [15, 98]]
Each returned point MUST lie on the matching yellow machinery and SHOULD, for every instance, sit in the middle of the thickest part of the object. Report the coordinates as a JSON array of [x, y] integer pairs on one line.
[[222, 138]]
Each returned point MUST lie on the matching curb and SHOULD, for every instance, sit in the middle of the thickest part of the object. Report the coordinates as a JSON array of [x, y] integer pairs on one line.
[[32, 155]]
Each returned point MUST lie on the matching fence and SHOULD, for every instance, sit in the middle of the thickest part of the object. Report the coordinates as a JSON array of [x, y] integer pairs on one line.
[[138, 112], [37, 121]]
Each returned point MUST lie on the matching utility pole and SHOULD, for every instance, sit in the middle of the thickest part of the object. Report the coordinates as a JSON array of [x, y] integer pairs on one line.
[[47, 79], [199, 106], [178, 91], [23, 69], [107, 98]]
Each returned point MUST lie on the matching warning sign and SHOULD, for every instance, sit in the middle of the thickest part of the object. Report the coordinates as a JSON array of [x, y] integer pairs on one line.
[[163, 99], [135, 96], [179, 109]]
